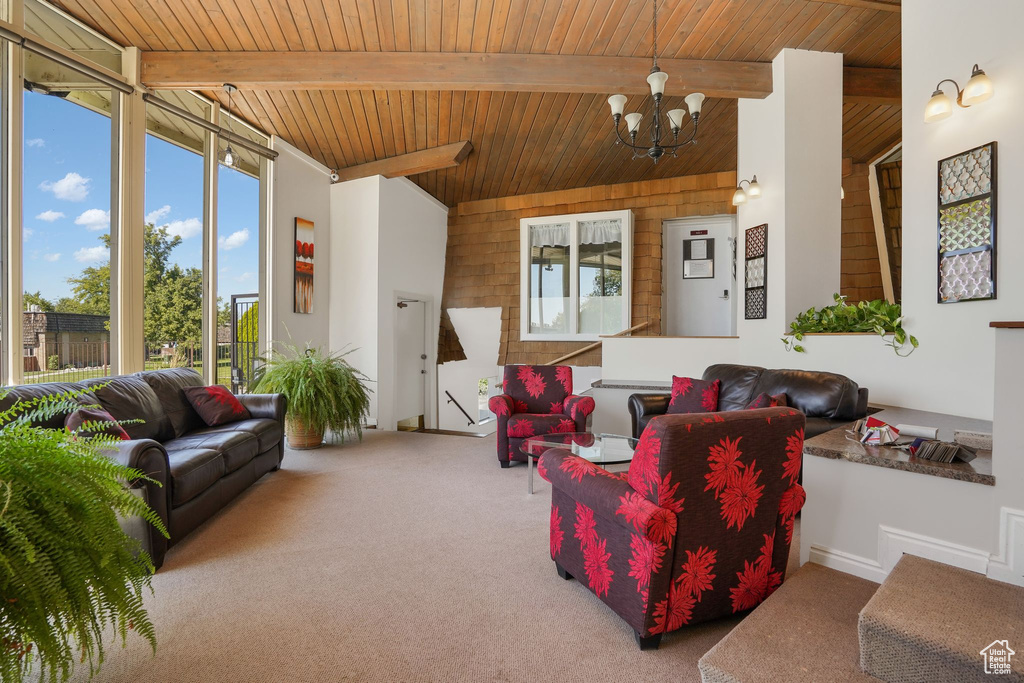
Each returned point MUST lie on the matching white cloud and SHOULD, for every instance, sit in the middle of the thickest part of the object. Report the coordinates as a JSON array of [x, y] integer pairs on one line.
[[35, 142], [158, 214], [27, 232], [190, 227], [234, 240], [52, 258], [72, 187], [92, 254], [50, 216], [94, 219], [245, 277]]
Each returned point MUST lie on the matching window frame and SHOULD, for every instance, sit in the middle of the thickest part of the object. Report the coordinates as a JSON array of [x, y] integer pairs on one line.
[[573, 219]]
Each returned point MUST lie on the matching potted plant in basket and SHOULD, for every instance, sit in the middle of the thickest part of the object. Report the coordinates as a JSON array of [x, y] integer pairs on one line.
[[68, 574], [323, 391]]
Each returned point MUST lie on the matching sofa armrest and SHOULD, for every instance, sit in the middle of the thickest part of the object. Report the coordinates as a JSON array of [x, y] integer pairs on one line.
[[578, 408], [501, 405], [268, 406], [862, 402], [607, 495], [642, 407], [150, 458]]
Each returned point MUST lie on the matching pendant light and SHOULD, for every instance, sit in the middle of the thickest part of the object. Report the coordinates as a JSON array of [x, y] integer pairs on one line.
[[229, 154]]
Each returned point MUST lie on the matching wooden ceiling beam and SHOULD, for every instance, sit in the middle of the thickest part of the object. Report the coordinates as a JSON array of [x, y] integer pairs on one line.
[[447, 71], [482, 71], [431, 159]]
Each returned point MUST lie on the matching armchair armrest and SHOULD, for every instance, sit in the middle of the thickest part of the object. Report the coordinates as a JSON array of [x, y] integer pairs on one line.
[[578, 407], [642, 407], [607, 495], [150, 458], [269, 406], [501, 405]]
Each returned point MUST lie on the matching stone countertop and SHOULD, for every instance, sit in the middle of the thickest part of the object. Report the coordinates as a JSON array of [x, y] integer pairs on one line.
[[632, 385], [841, 444]]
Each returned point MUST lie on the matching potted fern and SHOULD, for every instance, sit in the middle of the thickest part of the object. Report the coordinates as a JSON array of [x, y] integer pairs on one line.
[[68, 574], [324, 392]]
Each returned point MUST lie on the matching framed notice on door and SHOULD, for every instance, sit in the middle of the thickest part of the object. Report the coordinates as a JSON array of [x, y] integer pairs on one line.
[[699, 259]]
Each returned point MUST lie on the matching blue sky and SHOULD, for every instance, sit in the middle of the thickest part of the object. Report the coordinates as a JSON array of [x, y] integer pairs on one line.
[[67, 200]]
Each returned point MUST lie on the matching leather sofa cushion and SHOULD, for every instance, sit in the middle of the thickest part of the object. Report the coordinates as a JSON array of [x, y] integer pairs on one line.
[[237, 448], [815, 394], [737, 384], [27, 392], [167, 384], [193, 470], [128, 397], [267, 432]]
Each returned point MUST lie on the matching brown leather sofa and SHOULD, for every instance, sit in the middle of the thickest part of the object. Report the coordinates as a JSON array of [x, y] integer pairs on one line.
[[196, 469], [827, 399]]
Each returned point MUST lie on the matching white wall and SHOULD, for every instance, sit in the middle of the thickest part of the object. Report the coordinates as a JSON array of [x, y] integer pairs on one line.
[[389, 241], [355, 210], [412, 234], [301, 189], [954, 370], [479, 331]]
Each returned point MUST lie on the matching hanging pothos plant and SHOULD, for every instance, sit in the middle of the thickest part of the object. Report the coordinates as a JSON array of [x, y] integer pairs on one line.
[[878, 316]]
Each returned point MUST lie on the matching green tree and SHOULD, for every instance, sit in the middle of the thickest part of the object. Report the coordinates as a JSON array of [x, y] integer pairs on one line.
[[36, 299]]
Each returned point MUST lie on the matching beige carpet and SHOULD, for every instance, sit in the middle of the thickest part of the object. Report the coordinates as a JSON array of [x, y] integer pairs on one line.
[[407, 557]]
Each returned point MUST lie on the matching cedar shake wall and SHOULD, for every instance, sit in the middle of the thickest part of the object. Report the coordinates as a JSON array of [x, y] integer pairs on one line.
[[482, 261], [861, 273]]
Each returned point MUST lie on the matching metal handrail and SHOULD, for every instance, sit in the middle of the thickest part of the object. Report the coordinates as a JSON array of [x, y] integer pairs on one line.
[[451, 399]]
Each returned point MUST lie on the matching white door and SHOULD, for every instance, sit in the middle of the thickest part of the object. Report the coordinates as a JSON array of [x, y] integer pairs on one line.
[[411, 365], [699, 282]]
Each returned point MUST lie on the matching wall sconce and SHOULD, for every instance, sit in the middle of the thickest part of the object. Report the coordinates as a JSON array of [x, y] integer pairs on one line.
[[977, 90], [753, 191]]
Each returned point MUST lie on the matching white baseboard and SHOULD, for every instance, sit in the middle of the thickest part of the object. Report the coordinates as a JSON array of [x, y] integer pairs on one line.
[[1008, 565], [895, 543], [847, 563]]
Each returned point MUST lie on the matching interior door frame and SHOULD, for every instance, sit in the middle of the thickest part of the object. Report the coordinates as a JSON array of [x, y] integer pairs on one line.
[[682, 221], [430, 364]]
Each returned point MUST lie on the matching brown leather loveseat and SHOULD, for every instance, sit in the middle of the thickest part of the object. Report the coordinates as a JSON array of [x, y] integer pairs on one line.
[[196, 469]]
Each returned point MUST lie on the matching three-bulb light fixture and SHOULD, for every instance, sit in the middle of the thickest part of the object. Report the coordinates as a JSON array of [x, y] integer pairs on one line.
[[978, 89], [656, 149]]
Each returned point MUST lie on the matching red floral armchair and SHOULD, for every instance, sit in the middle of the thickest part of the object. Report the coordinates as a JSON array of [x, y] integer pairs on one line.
[[700, 528], [537, 400]]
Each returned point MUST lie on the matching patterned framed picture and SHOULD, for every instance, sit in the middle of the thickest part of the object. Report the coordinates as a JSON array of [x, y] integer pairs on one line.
[[755, 303], [303, 266], [967, 226]]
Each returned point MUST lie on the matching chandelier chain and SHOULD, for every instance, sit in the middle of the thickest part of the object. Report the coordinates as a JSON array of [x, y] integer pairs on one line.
[[655, 37]]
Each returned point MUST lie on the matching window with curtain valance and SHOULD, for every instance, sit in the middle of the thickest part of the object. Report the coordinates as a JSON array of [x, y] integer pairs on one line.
[[575, 275]]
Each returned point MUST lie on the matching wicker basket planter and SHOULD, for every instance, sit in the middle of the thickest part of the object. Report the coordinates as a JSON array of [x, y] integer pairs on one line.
[[301, 437]]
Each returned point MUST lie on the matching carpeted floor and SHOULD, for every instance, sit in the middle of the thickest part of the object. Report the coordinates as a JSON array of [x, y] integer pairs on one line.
[[406, 557]]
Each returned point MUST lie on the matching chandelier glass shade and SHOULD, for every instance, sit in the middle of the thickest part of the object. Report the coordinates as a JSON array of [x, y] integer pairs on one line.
[[659, 145]]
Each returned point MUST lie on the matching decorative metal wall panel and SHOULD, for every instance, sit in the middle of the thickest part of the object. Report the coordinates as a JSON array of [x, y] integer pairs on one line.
[[967, 226], [966, 175], [966, 276], [964, 226], [756, 273]]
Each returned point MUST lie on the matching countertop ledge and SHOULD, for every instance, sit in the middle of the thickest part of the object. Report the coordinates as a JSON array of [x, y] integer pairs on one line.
[[839, 445], [1008, 324]]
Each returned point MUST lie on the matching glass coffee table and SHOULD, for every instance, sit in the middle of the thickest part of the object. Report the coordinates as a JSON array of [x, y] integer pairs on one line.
[[600, 449]]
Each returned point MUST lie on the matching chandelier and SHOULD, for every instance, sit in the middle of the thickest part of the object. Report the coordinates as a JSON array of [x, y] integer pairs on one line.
[[656, 80]]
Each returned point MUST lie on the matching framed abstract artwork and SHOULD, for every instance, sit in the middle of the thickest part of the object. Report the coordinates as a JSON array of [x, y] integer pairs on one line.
[[755, 303], [303, 265], [967, 226]]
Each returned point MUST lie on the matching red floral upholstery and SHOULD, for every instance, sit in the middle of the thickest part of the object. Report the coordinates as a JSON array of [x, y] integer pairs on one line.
[[537, 400], [701, 527]]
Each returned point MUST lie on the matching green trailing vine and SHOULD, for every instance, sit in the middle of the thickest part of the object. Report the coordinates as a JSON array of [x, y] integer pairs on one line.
[[68, 574], [878, 316]]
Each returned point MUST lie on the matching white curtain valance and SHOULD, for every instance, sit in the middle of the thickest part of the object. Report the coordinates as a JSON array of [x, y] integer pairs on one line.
[[600, 231], [555, 235]]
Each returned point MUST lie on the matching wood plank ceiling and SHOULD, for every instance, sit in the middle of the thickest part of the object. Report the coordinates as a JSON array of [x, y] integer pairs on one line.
[[522, 142]]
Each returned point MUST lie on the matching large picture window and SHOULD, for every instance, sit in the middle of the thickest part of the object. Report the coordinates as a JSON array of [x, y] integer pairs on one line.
[[575, 275]]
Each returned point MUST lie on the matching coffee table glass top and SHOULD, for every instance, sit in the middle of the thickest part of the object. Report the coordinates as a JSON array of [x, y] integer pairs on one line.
[[602, 449]]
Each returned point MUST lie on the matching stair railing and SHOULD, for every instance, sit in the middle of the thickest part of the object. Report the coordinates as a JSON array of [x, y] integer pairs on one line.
[[591, 347], [451, 399]]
